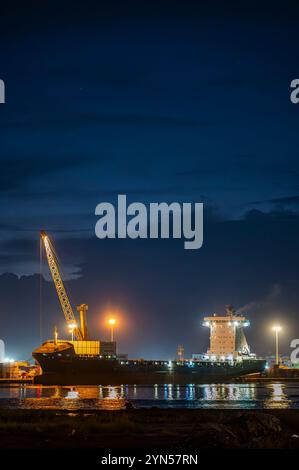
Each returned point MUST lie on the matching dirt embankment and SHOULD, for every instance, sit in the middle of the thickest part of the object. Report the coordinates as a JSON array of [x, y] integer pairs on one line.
[[150, 428]]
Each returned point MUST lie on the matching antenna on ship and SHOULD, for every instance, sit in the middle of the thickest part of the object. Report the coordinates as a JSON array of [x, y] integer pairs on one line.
[[230, 311], [55, 335], [180, 352]]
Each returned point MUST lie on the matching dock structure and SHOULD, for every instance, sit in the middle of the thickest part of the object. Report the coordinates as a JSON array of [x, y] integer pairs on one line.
[[8, 381]]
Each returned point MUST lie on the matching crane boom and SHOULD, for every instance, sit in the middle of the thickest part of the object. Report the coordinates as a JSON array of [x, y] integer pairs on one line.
[[62, 295]]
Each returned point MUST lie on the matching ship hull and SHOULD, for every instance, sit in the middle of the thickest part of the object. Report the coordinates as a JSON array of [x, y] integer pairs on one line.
[[68, 369]]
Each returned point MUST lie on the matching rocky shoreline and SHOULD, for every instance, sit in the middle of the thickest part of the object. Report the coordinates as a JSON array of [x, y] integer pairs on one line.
[[151, 428]]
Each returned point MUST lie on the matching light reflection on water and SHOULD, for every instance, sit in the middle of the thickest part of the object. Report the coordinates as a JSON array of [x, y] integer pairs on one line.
[[278, 397], [217, 396]]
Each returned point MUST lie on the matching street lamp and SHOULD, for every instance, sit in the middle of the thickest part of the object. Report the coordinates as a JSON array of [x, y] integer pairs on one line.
[[112, 322], [72, 327], [277, 329]]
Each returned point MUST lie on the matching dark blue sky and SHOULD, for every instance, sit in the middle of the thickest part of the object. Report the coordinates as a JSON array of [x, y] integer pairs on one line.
[[176, 102]]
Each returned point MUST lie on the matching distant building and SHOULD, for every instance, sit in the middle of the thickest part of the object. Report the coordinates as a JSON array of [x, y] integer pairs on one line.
[[16, 370], [108, 348], [283, 361], [122, 356]]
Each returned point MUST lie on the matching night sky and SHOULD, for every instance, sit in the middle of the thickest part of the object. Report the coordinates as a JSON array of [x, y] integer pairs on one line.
[[162, 101]]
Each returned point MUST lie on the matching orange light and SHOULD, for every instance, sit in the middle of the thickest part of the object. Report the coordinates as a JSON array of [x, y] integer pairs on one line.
[[111, 321]]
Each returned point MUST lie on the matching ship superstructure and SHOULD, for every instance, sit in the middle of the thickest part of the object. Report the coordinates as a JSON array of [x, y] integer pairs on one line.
[[227, 338]]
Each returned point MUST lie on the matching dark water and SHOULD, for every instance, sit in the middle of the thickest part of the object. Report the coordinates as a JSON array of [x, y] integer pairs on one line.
[[211, 396]]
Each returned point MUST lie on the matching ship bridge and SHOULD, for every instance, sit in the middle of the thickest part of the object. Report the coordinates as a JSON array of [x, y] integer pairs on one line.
[[227, 338]]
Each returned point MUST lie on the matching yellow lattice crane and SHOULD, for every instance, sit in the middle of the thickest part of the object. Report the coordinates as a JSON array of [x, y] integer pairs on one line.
[[79, 333]]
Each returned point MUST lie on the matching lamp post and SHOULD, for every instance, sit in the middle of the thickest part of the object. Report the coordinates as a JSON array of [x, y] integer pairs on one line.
[[72, 327], [276, 329], [112, 322]]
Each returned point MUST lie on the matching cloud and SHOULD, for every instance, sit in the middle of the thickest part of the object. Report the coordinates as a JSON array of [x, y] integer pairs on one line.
[[59, 119], [18, 170], [279, 215], [288, 200]]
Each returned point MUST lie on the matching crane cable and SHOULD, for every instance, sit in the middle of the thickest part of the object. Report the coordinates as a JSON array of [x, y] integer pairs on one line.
[[40, 292]]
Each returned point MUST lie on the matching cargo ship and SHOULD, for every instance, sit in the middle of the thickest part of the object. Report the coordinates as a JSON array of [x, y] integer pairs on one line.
[[85, 362], [61, 365], [82, 361]]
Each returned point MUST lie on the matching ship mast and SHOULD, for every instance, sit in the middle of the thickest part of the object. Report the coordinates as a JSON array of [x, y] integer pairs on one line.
[[79, 333]]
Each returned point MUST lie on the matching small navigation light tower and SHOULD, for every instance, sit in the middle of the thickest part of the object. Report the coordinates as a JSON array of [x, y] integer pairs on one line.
[[180, 352], [2, 350], [276, 329]]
